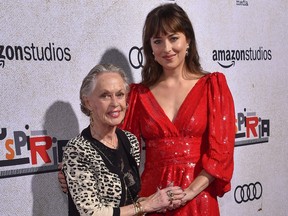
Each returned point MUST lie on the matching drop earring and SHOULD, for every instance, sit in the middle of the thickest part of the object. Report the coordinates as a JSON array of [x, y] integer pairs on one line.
[[154, 56], [91, 119]]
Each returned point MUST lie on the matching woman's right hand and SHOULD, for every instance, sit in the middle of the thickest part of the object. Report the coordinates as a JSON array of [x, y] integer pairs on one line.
[[62, 180]]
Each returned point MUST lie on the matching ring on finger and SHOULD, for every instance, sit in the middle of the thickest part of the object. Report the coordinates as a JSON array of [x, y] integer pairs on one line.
[[170, 195]]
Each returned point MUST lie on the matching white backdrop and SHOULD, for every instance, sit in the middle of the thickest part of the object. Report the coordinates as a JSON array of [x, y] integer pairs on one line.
[[47, 47]]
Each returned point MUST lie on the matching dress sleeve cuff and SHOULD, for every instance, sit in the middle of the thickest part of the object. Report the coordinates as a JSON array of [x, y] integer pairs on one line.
[[222, 182]]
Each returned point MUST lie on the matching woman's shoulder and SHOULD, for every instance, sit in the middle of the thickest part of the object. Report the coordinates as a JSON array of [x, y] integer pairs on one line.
[[135, 85], [217, 77], [213, 75], [78, 143], [138, 87], [131, 137], [74, 141], [129, 134]]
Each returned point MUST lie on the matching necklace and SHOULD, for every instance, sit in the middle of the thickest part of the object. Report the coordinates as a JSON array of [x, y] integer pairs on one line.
[[112, 143]]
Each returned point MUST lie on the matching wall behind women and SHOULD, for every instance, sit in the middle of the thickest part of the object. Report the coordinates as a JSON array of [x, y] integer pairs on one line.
[[47, 47]]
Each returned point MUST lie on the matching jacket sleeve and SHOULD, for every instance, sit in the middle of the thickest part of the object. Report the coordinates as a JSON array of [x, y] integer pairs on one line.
[[82, 184], [218, 160]]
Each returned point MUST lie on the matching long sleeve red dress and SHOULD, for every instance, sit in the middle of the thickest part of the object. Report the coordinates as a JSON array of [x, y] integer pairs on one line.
[[201, 136]]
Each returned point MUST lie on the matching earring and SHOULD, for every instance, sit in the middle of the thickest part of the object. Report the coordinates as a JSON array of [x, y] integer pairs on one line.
[[154, 56], [187, 51], [91, 119]]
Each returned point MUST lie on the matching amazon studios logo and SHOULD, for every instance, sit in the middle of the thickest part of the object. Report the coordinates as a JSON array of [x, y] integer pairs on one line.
[[228, 58], [33, 53], [34, 150]]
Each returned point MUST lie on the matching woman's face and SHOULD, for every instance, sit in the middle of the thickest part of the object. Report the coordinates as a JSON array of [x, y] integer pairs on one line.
[[108, 100], [170, 49]]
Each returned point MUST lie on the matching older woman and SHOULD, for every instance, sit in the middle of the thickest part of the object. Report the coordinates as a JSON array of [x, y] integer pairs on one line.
[[101, 163]]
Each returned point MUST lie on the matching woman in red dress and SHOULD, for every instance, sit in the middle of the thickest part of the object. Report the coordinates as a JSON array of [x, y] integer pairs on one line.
[[184, 115]]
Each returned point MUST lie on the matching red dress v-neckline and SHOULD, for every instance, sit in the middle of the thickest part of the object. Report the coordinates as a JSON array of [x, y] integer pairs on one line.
[[186, 102]]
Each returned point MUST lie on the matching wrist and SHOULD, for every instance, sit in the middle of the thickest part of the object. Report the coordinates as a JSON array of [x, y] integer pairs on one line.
[[190, 193], [140, 199], [139, 209]]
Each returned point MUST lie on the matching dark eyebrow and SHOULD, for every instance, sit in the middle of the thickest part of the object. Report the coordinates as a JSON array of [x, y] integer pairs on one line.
[[172, 34], [169, 34], [156, 37]]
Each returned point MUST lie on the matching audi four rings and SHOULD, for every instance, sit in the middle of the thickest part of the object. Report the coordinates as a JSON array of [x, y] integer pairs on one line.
[[136, 53], [248, 192]]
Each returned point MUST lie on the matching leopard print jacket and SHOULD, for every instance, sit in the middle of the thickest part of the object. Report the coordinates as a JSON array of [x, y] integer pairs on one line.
[[93, 187]]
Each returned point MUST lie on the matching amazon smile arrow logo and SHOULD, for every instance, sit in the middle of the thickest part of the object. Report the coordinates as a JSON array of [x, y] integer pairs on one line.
[[227, 66]]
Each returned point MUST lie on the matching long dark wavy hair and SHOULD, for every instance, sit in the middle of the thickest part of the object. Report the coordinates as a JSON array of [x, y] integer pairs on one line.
[[163, 19]]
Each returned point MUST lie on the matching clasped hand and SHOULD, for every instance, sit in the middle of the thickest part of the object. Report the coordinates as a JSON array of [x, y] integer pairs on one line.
[[165, 199]]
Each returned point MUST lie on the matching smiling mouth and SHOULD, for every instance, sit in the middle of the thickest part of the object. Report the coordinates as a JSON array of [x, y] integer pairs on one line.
[[114, 114], [168, 57]]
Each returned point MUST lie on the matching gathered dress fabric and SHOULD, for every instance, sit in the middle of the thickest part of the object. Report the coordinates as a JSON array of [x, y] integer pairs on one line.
[[201, 136]]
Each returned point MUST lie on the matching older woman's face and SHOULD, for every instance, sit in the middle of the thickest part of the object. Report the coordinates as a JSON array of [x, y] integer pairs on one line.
[[108, 100]]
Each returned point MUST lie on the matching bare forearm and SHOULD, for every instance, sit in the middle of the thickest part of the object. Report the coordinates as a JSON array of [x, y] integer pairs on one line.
[[141, 207], [201, 182], [128, 210]]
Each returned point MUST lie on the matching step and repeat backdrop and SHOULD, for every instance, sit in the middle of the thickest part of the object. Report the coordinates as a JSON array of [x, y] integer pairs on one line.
[[47, 47]]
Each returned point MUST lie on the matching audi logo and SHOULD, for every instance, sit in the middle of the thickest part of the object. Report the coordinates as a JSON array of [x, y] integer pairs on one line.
[[248, 192], [136, 58]]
